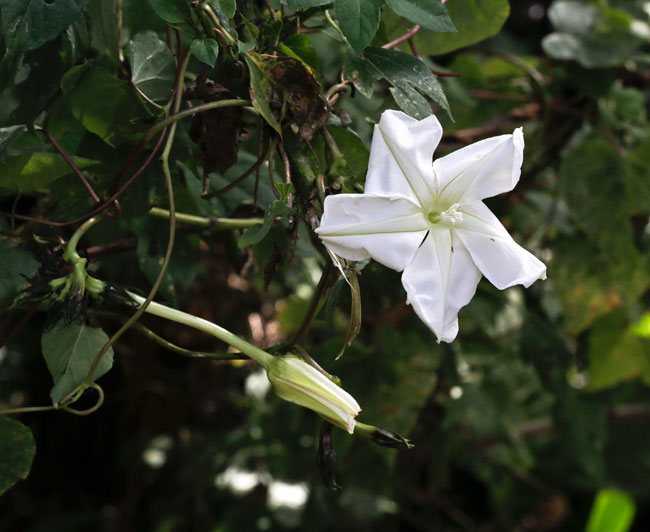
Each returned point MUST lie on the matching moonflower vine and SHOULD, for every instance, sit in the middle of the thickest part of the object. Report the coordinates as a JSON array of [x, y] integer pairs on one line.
[[427, 219]]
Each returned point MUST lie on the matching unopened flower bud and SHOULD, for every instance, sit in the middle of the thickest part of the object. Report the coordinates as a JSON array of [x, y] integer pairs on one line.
[[384, 437], [298, 382]]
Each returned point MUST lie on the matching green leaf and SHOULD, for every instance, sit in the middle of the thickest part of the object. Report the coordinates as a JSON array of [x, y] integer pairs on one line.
[[28, 24], [256, 233], [299, 46], [592, 175], [475, 20], [153, 69], [637, 178], [613, 511], [17, 449], [104, 30], [205, 50], [354, 323], [304, 4], [69, 352], [177, 13], [430, 14], [356, 156], [36, 90], [7, 134], [261, 86], [33, 170], [104, 104], [358, 20], [228, 7], [284, 189], [152, 245], [616, 353], [15, 263], [361, 72], [591, 281], [410, 77]]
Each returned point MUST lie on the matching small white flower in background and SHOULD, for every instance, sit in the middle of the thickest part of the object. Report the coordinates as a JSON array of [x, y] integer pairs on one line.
[[427, 219], [297, 381]]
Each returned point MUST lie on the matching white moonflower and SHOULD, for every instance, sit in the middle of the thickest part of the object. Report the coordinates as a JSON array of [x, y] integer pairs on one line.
[[427, 219]]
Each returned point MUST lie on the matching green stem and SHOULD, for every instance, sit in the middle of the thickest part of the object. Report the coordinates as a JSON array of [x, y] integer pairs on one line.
[[194, 110], [201, 221], [70, 253], [26, 409], [94, 408], [166, 343], [172, 230], [218, 24], [178, 316]]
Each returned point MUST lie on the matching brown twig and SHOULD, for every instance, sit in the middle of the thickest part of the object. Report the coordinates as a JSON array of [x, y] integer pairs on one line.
[[332, 93], [101, 207], [489, 95], [72, 165], [408, 35], [94, 253], [544, 426], [466, 136], [259, 162]]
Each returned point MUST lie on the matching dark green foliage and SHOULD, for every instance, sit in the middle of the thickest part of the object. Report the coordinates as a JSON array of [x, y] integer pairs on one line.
[[535, 418], [17, 449]]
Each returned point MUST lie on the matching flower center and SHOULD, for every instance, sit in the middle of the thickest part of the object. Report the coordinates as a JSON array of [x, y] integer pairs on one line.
[[450, 216]]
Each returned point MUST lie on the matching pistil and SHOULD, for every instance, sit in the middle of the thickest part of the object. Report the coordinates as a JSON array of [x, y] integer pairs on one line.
[[450, 216]]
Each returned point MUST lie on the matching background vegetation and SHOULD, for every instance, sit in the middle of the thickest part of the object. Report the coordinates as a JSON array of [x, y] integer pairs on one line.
[[534, 419]]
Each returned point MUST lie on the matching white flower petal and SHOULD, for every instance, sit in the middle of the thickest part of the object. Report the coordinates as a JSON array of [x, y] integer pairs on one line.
[[439, 281], [504, 262], [358, 226], [480, 170], [401, 157]]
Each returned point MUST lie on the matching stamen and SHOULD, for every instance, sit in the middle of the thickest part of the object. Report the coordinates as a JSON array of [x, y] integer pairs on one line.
[[451, 215]]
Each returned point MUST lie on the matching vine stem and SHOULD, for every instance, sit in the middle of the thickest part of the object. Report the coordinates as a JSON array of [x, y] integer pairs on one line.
[[137, 326], [408, 35], [202, 221], [172, 227], [29, 409], [26, 409], [178, 316], [147, 136], [70, 253], [72, 165], [194, 110]]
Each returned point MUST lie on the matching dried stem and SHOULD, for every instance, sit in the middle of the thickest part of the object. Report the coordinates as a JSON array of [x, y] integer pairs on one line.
[[408, 35], [259, 162], [72, 165]]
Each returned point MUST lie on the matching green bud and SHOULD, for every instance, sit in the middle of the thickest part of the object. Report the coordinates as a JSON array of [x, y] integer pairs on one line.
[[297, 381], [384, 437], [94, 286]]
